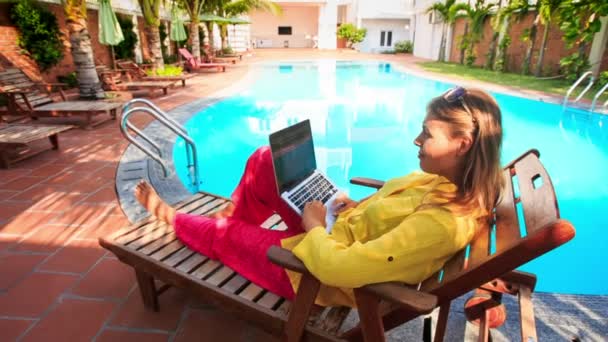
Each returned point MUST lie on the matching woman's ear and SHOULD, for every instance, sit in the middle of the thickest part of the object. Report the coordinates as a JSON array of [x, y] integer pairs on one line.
[[465, 145]]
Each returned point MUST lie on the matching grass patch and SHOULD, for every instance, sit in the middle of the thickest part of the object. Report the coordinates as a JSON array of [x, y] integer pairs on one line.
[[555, 86], [169, 70]]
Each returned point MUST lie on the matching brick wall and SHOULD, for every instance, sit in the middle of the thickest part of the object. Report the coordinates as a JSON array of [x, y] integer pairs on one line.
[[555, 48], [143, 42]]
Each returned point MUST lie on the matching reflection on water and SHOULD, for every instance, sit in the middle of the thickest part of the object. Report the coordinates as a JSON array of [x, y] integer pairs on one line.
[[364, 117]]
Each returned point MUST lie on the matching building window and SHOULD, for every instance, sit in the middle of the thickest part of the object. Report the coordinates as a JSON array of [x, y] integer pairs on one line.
[[285, 30], [386, 38]]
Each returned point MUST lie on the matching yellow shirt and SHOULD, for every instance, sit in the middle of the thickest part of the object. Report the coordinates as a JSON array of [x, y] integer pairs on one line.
[[383, 239]]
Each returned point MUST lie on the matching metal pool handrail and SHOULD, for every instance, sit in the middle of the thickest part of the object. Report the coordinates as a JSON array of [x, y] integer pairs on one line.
[[597, 96], [168, 122], [580, 96]]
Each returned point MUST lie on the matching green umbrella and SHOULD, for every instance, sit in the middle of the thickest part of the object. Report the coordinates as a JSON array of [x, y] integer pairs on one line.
[[237, 21], [177, 28], [110, 32], [212, 17]]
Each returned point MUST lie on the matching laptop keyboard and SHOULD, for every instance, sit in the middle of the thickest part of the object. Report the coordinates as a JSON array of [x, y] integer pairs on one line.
[[317, 188]]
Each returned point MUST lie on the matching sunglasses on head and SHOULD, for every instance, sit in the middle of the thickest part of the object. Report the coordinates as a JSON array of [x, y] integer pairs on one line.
[[456, 94]]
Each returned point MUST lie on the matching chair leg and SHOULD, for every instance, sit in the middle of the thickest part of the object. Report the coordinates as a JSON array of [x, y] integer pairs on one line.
[[526, 315], [301, 307], [54, 139], [442, 321], [369, 315], [147, 289], [484, 329]]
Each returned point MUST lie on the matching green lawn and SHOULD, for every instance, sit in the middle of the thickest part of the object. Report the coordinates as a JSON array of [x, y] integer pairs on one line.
[[556, 86]]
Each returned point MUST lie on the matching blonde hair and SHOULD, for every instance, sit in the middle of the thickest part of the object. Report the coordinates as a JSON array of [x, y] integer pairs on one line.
[[482, 179]]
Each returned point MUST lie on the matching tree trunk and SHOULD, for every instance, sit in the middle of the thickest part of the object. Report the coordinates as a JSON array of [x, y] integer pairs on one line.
[[442, 43], [541, 55], [195, 41], [224, 36], [464, 36], [210, 46], [500, 56], [528, 59], [82, 54], [492, 51], [153, 40]]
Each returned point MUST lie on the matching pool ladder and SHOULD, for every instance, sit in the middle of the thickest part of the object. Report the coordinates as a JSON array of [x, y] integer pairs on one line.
[[150, 108], [586, 75]]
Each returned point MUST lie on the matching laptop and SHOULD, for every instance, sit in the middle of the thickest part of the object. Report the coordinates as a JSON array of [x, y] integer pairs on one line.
[[295, 169]]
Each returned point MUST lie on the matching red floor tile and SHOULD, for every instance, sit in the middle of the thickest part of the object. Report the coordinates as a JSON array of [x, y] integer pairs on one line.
[[58, 201], [37, 192], [11, 209], [15, 266], [27, 222], [88, 168], [132, 314], [83, 214], [91, 184], [12, 174], [48, 171], [72, 320], [6, 194], [33, 295], [105, 194], [128, 336], [107, 172], [109, 279], [78, 256], [64, 178], [13, 328], [216, 325], [104, 227], [47, 239], [21, 183]]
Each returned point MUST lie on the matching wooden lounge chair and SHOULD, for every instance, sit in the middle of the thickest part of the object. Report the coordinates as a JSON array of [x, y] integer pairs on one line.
[[153, 250], [194, 65], [36, 99], [139, 74], [121, 80], [15, 140]]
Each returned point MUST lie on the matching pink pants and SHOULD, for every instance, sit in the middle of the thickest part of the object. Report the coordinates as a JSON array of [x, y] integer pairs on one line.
[[238, 241]]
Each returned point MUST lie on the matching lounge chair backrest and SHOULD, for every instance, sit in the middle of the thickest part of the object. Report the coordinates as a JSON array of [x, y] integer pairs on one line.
[[15, 79], [526, 225], [189, 57], [131, 67]]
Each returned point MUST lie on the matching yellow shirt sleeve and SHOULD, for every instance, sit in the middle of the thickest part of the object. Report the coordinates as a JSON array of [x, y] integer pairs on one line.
[[410, 252]]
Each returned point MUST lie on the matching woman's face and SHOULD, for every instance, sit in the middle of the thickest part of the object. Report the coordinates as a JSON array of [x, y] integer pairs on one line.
[[440, 153]]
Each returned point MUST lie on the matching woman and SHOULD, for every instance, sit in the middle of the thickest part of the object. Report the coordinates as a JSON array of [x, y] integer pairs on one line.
[[405, 232]]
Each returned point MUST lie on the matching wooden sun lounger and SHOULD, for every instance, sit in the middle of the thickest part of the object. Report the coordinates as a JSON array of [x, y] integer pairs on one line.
[[182, 78], [153, 250], [14, 140], [112, 80], [138, 73]]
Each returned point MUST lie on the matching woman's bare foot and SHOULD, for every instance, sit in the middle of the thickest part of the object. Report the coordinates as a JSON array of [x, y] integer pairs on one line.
[[149, 199], [226, 211]]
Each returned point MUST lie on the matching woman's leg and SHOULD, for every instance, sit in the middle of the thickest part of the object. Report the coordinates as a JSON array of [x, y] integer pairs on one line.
[[238, 244], [256, 197]]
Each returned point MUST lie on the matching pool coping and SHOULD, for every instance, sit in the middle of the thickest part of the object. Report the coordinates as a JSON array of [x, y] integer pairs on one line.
[[585, 312]]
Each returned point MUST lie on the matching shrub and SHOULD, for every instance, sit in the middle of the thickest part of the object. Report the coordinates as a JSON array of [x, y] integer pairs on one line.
[[603, 78], [39, 33], [388, 52], [573, 66], [226, 51], [404, 46], [126, 48], [169, 70], [70, 79], [352, 34]]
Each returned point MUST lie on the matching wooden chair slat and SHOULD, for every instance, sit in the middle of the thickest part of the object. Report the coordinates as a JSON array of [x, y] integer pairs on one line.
[[271, 221], [192, 262], [452, 268], [235, 284], [178, 257], [283, 309], [539, 204], [479, 249], [507, 225], [221, 276], [138, 233], [167, 250], [251, 292], [162, 230], [159, 243], [269, 300], [207, 269]]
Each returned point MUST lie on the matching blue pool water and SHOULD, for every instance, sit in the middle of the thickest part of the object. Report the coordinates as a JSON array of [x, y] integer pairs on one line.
[[364, 118]]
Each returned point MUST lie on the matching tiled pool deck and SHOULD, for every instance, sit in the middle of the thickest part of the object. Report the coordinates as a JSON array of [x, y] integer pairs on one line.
[[57, 284]]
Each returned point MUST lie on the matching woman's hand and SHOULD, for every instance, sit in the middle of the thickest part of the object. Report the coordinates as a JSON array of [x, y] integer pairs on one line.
[[313, 215], [342, 203]]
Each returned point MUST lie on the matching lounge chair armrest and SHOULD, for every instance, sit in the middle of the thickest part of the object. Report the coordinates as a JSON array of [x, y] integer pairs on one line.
[[369, 182], [519, 277], [403, 295], [286, 259]]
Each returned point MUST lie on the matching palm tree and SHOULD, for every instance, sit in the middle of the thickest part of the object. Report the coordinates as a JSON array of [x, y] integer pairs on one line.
[[81, 49], [193, 7], [443, 9], [477, 16], [151, 12], [238, 7], [546, 10]]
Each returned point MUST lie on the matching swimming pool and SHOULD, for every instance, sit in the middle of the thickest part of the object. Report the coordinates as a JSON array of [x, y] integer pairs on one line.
[[364, 117]]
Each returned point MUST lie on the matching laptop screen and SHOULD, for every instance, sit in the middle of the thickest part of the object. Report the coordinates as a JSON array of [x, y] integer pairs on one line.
[[293, 155]]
